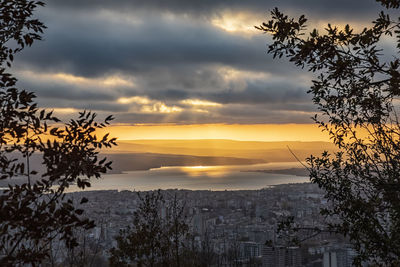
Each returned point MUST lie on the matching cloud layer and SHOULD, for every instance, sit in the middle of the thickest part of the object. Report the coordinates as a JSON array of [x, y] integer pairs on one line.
[[172, 61]]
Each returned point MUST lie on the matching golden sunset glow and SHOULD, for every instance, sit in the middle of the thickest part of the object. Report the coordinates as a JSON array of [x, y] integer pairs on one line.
[[148, 105], [198, 102], [247, 132], [209, 171], [64, 111], [107, 81], [234, 75], [160, 107], [242, 22], [134, 99]]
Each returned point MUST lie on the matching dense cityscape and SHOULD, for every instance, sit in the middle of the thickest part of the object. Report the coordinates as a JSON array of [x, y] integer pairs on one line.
[[237, 228]]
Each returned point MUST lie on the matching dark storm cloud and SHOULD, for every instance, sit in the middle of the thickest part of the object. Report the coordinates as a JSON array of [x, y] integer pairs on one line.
[[209, 85], [265, 113], [106, 108], [93, 50], [162, 118], [242, 114], [208, 7], [261, 94], [65, 91], [170, 94], [173, 51]]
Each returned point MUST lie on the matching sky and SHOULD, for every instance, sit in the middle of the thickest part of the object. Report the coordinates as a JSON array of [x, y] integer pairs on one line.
[[179, 62]]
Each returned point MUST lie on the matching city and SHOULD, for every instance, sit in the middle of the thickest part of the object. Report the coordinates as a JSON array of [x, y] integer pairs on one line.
[[240, 227]]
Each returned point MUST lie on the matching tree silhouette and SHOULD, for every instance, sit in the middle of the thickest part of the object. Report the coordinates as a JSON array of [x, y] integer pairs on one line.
[[356, 89], [37, 212], [157, 236]]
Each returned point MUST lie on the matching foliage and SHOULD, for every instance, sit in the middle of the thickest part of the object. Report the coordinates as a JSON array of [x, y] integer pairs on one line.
[[87, 253], [36, 212], [157, 235], [356, 89]]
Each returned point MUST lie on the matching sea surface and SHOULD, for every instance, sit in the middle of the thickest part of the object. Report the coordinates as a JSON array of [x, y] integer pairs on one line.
[[216, 178]]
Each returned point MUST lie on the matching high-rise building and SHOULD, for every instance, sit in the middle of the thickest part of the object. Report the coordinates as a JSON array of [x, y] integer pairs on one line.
[[273, 256], [293, 257], [330, 259], [279, 256]]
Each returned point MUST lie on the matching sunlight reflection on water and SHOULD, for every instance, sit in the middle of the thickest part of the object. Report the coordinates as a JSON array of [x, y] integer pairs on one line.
[[199, 178]]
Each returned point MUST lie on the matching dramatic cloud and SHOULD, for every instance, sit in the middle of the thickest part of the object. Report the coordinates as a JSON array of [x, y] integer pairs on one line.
[[173, 61], [210, 7]]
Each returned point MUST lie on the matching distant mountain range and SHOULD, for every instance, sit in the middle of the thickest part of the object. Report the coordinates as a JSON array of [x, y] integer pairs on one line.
[[241, 151]]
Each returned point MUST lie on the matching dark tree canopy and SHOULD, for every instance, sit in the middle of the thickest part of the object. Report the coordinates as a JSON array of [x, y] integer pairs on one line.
[[356, 90], [157, 236], [36, 212]]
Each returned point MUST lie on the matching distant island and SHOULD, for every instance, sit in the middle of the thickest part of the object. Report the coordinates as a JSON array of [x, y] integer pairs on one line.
[[146, 161]]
